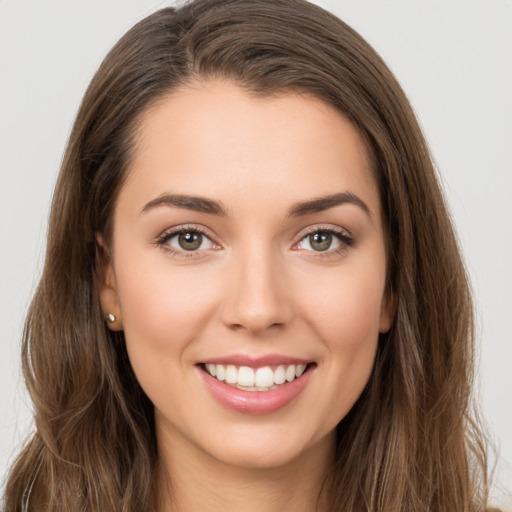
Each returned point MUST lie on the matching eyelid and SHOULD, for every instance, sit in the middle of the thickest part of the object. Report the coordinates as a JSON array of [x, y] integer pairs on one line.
[[344, 237], [162, 239], [329, 228]]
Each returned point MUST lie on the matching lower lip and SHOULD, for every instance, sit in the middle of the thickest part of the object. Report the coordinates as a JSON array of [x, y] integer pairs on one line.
[[255, 402]]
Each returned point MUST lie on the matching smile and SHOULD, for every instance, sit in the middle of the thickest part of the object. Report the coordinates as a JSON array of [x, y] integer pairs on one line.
[[264, 378], [256, 386]]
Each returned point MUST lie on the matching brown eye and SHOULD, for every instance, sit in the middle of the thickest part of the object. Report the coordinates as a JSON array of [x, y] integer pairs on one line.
[[320, 241], [186, 242], [190, 240], [331, 242]]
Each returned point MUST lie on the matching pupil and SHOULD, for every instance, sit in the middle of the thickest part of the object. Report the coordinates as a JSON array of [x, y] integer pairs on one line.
[[189, 241], [320, 241]]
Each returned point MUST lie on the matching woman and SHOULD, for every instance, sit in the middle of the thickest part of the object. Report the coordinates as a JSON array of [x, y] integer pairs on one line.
[[252, 294]]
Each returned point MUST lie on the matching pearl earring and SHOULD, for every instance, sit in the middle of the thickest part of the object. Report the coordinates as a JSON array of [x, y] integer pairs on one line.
[[111, 318]]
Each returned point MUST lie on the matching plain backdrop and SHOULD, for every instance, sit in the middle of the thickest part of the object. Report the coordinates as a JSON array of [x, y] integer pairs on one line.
[[454, 60]]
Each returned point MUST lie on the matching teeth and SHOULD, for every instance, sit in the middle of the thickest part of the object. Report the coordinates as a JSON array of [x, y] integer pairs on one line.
[[231, 374], [300, 370], [246, 376], [289, 374], [280, 375], [259, 379], [212, 369], [220, 372], [264, 377]]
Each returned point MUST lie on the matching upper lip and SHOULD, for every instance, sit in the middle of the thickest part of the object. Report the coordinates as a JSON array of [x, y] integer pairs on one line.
[[256, 361]]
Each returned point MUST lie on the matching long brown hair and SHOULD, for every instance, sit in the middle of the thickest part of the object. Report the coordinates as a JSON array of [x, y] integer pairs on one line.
[[411, 441]]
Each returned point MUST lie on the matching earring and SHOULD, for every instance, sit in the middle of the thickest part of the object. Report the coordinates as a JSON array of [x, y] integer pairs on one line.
[[111, 318]]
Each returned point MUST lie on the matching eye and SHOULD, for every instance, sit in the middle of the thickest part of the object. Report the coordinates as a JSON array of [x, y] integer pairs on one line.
[[325, 241], [189, 241], [186, 240], [320, 241]]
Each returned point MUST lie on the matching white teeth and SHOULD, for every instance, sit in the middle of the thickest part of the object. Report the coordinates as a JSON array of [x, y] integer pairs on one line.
[[231, 374], [280, 375], [264, 377], [220, 372], [290, 373], [259, 379], [212, 369], [300, 370], [246, 376], [255, 388]]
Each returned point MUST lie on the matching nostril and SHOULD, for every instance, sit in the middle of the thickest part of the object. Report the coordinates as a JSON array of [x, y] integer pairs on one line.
[[254, 323], [257, 300]]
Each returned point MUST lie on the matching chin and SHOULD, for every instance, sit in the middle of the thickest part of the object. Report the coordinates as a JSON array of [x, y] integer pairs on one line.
[[267, 450]]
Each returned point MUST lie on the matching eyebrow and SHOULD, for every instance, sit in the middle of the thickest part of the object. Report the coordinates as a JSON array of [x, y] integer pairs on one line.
[[325, 203], [213, 207], [195, 203]]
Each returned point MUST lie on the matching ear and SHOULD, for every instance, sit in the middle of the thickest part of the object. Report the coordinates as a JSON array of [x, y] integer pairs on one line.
[[387, 310], [106, 286]]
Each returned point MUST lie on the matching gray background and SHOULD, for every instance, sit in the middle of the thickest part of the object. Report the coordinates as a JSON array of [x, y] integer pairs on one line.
[[454, 59]]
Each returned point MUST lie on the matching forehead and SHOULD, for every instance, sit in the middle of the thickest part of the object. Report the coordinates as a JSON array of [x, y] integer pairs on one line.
[[215, 139]]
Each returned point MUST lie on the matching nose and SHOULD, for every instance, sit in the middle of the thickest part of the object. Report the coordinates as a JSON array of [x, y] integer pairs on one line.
[[257, 298]]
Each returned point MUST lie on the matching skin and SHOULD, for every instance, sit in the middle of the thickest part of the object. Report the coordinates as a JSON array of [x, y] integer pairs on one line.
[[258, 287]]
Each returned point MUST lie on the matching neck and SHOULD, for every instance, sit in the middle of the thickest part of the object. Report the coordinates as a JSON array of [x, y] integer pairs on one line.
[[191, 480]]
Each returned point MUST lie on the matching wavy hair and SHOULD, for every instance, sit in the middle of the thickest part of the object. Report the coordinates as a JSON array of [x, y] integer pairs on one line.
[[411, 442]]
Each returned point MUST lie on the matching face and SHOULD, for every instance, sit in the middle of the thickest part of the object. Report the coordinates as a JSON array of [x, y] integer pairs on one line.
[[248, 271]]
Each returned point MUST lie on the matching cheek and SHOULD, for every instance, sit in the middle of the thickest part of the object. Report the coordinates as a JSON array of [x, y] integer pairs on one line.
[[349, 325], [347, 320], [163, 310], [343, 309], [346, 308]]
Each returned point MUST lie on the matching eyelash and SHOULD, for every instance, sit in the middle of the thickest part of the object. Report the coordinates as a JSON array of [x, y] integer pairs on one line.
[[346, 241], [168, 235]]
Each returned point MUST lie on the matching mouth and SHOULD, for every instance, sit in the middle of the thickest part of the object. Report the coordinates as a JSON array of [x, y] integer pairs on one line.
[[263, 378], [256, 387]]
